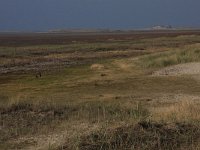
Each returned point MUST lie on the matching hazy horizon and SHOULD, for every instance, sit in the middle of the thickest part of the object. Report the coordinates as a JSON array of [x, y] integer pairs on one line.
[[44, 15]]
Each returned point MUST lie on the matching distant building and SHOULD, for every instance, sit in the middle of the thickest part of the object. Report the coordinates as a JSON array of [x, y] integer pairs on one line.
[[165, 27]]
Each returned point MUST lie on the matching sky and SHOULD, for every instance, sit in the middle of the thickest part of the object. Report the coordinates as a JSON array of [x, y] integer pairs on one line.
[[43, 15]]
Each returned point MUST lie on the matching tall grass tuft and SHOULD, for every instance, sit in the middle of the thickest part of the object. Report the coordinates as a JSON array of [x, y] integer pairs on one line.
[[164, 59]]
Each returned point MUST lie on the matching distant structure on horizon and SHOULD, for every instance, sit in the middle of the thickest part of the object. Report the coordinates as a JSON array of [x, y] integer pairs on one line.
[[162, 27]]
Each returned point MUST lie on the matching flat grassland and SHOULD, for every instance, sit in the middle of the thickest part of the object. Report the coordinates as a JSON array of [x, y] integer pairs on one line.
[[132, 90]]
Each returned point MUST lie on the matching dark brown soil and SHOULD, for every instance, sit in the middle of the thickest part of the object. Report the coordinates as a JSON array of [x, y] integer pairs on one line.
[[22, 39]]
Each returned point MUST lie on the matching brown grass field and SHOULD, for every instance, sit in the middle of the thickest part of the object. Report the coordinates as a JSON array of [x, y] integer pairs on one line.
[[100, 91]]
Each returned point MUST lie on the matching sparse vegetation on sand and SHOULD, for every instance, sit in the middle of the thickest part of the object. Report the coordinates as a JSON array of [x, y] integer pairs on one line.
[[98, 94]]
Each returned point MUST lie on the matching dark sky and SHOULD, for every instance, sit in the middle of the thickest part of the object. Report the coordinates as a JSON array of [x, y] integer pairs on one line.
[[33, 15]]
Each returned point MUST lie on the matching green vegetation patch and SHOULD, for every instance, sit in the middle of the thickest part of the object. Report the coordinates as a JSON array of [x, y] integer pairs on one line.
[[172, 57]]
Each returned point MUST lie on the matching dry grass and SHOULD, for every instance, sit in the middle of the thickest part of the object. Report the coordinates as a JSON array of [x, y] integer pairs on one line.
[[176, 127], [97, 67], [143, 135], [184, 111], [173, 57], [114, 103], [27, 120]]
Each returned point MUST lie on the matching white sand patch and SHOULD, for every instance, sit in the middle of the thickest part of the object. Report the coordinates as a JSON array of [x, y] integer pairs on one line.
[[181, 69]]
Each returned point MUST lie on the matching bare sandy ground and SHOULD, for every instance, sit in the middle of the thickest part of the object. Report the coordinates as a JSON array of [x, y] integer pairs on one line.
[[181, 69]]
